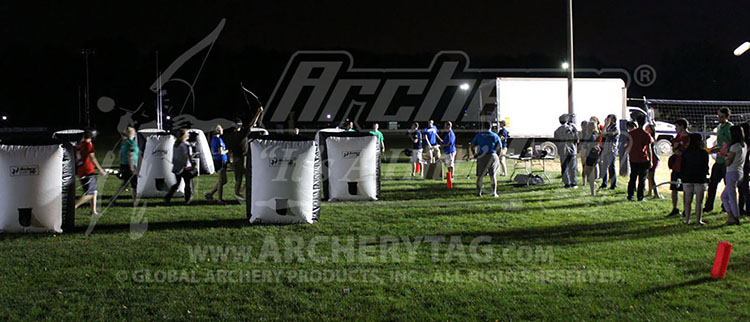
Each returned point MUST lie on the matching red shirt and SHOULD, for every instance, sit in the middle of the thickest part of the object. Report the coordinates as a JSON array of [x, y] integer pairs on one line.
[[84, 166], [639, 145], [683, 141]]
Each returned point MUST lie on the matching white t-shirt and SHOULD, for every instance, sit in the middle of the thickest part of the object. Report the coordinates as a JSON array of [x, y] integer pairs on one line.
[[739, 158]]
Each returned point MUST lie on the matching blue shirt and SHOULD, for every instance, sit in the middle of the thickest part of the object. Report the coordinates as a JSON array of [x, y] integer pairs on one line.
[[486, 142], [418, 136], [504, 137], [431, 133], [217, 144], [450, 140]]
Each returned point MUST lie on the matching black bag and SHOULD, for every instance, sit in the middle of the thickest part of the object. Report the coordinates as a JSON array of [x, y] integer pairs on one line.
[[672, 159], [593, 157]]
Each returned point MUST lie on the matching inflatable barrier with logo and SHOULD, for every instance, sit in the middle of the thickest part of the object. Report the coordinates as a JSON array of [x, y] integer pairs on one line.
[[198, 139], [351, 165], [155, 175], [37, 193], [283, 179]]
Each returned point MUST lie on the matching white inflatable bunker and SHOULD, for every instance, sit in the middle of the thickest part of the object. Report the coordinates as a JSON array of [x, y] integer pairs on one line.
[[283, 179], [31, 192], [203, 151], [155, 175], [140, 140], [72, 136], [353, 164]]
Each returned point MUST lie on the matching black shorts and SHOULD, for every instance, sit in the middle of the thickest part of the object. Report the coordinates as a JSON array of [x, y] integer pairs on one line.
[[89, 185], [219, 165], [673, 178], [125, 174]]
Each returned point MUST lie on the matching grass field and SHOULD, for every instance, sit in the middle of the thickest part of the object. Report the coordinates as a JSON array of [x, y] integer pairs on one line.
[[544, 253]]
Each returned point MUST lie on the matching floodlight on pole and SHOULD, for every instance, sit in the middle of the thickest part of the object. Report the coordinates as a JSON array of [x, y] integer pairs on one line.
[[570, 70], [565, 65], [464, 87], [5, 118], [742, 48]]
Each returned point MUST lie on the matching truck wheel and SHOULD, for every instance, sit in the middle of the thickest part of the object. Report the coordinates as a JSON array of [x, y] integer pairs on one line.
[[550, 148], [664, 147]]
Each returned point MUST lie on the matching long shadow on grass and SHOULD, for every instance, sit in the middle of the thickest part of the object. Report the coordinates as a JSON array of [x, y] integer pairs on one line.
[[665, 288], [582, 233], [178, 225]]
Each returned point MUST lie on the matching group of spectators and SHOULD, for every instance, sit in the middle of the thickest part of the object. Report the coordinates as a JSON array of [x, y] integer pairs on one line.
[[598, 145]]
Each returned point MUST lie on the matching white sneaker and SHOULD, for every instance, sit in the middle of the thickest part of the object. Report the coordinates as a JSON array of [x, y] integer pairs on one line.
[[240, 199], [495, 195], [479, 194]]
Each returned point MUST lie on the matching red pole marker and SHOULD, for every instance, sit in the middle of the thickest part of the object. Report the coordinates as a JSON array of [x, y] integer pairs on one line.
[[419, 168], [721, 261], [450, 179]]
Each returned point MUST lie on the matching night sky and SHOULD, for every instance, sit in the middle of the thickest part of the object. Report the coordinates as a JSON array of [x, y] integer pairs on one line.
[[689, 43]]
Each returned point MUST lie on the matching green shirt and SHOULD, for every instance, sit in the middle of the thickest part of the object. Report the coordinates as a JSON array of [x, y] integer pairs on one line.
[[723, 136], [378, 134], [128, 146], [350, 130]]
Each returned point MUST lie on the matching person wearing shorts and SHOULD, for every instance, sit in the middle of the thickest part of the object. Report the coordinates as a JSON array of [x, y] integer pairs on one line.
[[485, 146], [694, 175], [449, 146], [431, 140], [129, 160], [416, 138], [86, 164], [219, 153]]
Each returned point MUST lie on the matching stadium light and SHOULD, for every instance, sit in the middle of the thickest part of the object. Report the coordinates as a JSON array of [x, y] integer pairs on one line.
[[464, 87], [5, 118], [742, 48], [328, 116], [565, 65]]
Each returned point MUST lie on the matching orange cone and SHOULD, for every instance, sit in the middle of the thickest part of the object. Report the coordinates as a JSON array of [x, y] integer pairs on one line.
[[721, 261], [450, 179]]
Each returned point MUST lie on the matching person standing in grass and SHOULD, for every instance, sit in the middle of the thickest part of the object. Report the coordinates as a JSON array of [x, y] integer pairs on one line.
[[640, 154], [610, 138], [379, 134], [431, 142], [744, 186], [653, 190], [129, 160], [416, 138], [449, 146], [567, 138], [219, 152], [182, 167], [680, 142], [486, 145], [590, 152], [719, 169], [237, 144], [504, 135], [694, 173], [735, 161], [86, 164]]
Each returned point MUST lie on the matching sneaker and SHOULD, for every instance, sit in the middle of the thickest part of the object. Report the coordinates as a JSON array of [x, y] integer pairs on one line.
[[642, 199], [209, 196], [220, 202], [674, 212], [479, 194], [575, 186], [602, 187], [189, 201], [495, 195], [700, 223], [630, 198], [238, 197], [95, 213], [707, 210], [612, 187]]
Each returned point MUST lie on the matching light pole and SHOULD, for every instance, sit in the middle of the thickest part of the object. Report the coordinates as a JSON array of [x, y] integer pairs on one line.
[[86, 52], [571, 109]]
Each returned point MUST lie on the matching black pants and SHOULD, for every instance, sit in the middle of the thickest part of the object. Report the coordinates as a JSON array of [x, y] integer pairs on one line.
[[718, 172], [188, 177], [744, 189], [638, 171]]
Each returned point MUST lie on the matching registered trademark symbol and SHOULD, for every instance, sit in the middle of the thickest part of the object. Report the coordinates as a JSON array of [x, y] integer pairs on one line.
[[644, 75]]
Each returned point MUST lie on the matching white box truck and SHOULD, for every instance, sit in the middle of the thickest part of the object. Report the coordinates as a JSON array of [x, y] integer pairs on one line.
[[531, 106]]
